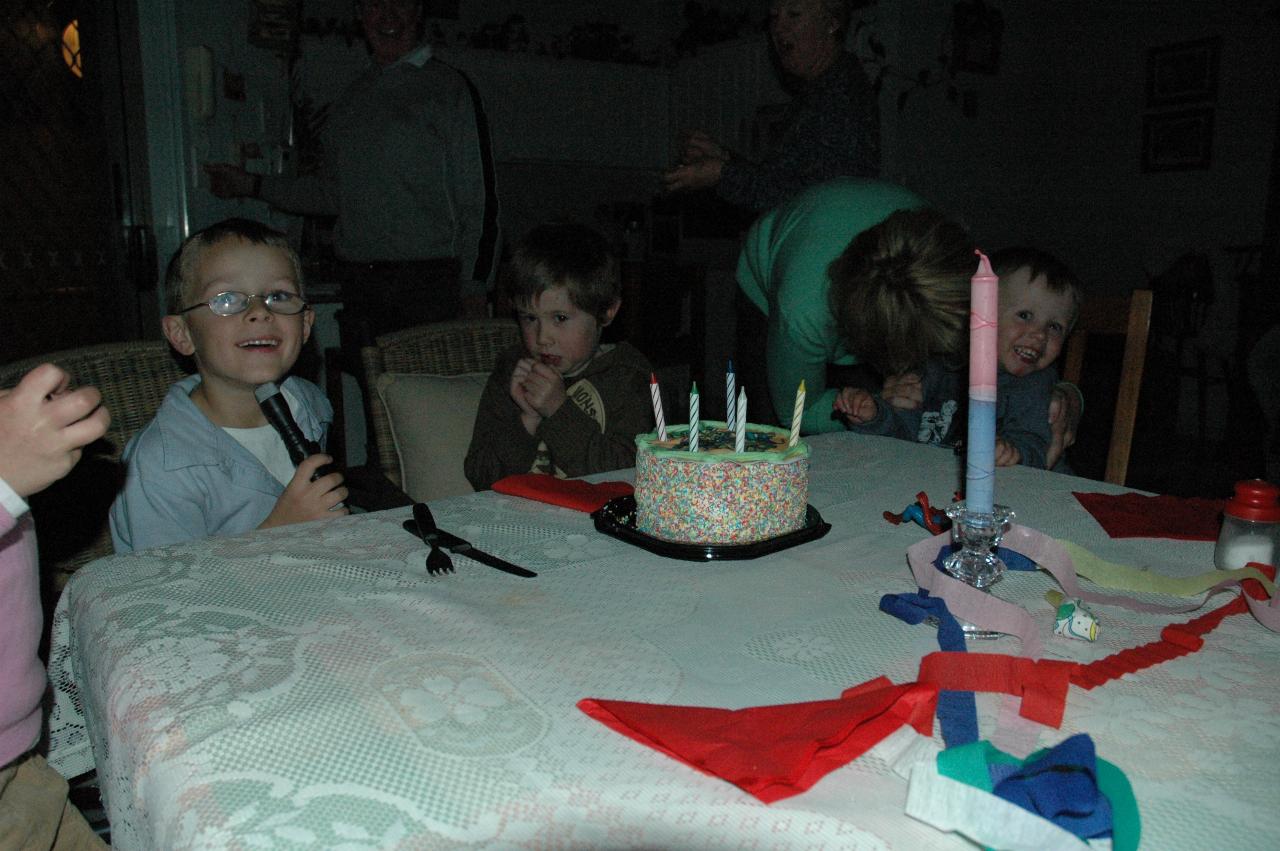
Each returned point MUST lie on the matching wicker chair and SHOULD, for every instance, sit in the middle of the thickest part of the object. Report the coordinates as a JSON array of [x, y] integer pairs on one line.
[[443, 348], [133, 378]]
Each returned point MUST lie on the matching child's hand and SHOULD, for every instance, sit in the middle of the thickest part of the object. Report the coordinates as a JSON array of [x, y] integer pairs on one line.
[[1007, 455], [529, 417], [857, 405], [544, 389], [305, 500], [903, 391], [43, 427], [1064, 417]]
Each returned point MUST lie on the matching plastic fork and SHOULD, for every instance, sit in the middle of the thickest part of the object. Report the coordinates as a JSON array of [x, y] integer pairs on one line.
[[438, 561]]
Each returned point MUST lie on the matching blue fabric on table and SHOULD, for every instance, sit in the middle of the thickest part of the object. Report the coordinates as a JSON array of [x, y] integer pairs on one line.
[[1060, 784], [957, 710]]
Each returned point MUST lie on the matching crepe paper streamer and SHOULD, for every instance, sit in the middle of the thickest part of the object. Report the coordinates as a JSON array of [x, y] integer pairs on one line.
[[1012, 559], [797, 414], [740, 432], [966, 603], [956, 807], [1041, 683], [1074, 620], [773, 752], [1122, 577], [1061, 785], [986, 611], [980, 466], [657, 407], [1175, 640], [730, 399], [1052, 556], [693, 418], [568, 493], [957, 710], [973, 764], [1135, 515]]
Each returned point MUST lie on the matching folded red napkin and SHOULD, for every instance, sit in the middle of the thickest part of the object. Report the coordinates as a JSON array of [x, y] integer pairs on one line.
[[569, 493], [773, 752], [1132, 515]]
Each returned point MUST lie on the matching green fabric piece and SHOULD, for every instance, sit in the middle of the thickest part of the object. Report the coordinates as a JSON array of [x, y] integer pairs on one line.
[[968, 764]]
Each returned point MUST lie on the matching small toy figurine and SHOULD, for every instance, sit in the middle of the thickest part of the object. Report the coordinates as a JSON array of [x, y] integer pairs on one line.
[[1075, 621], [920, 512]]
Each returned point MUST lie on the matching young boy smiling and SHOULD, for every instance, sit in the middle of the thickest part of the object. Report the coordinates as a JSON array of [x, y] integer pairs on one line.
[[1039, 300], [209, 463], [560, 402]]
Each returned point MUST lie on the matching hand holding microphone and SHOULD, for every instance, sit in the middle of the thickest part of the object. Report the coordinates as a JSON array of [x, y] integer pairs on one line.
[[276, 410]]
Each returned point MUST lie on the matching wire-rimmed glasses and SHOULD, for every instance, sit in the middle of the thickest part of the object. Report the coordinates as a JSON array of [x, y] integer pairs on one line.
[[231, 302]]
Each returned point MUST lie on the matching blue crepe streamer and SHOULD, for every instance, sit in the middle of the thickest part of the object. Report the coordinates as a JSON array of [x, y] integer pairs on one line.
[[1012, 559], [1061, 785], [957, 710]]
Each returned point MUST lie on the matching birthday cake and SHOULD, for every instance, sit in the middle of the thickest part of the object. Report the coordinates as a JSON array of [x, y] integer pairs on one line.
[[716, 495]]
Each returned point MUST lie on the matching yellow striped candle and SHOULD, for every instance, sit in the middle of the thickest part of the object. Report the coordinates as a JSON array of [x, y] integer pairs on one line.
[[797, 414]]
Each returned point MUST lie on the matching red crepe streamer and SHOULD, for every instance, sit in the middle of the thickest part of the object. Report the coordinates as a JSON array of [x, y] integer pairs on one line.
[[1041, 683], [1175, 640]]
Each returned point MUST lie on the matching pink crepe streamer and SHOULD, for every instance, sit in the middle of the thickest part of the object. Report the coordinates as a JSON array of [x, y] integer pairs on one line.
[[986, 611]]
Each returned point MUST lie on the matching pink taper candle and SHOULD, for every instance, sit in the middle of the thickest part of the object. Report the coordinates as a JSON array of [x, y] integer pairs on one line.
[[980, 467]]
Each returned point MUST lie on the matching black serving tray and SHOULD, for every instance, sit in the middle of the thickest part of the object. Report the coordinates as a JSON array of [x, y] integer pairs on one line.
[[617, 518]]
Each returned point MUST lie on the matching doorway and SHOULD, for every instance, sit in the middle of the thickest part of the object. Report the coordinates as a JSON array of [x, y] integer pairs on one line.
[[73, 254]]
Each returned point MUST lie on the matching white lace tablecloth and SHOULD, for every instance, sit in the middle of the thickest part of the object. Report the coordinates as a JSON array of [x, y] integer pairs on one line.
[[312, 687]]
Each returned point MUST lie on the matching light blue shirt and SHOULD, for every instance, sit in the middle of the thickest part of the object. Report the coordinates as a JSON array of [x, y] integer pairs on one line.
[[186, 478]]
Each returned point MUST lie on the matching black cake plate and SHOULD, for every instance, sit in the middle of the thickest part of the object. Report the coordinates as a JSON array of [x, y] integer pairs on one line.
[[617, 518]]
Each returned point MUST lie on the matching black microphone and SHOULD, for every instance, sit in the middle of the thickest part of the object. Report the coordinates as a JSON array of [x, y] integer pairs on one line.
[[277, 412]]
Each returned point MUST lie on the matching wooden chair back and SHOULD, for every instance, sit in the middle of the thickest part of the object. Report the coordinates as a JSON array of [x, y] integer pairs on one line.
[[440, 348], [133, 378], [1130, 317]]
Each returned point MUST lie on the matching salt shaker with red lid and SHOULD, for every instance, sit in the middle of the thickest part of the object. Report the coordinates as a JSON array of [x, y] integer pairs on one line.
[[1250, 526]]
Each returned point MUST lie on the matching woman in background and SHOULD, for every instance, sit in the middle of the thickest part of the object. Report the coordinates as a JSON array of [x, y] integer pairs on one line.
[[831, 128]]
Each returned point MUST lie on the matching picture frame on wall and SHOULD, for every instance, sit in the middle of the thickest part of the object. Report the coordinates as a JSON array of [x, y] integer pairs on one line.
[[1186, 72], [1177, 141]]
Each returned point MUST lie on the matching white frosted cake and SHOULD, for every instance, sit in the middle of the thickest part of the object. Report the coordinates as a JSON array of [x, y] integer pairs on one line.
[[716, 495]]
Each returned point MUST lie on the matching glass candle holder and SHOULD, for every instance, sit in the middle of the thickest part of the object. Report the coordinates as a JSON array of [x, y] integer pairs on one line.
[[977, 534]]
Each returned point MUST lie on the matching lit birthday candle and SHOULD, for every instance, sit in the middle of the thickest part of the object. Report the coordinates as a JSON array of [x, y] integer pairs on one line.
[[797, 414], [657, 407], [980, 468], [740, 431], [693, 418], [730, 413]]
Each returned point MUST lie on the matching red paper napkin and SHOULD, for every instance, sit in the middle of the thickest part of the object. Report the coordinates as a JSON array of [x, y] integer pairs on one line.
[[773, 752], [1132, 515], [569, 493]]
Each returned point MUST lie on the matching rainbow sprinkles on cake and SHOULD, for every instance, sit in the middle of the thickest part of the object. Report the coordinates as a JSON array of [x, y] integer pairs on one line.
[[718, 496]]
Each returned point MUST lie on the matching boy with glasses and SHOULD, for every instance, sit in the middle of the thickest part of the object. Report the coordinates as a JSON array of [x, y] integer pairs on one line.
[[209, 463]]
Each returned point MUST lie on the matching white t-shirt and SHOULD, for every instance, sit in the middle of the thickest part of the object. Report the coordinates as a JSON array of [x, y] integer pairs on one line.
[[265, 443]]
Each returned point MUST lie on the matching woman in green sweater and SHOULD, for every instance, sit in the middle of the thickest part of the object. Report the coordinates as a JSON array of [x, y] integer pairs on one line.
[[783, 272]]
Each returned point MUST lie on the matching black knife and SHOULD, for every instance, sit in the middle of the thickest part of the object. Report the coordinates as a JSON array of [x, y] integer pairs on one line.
[[426, 522]]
